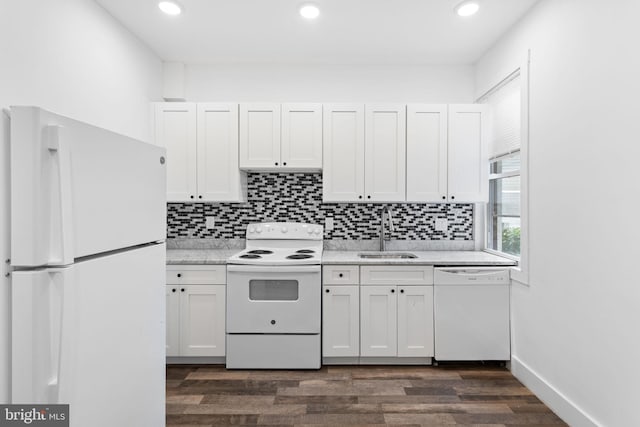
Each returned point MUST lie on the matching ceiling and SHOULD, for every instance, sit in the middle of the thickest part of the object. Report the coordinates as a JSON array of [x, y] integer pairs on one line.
[[347, 31]]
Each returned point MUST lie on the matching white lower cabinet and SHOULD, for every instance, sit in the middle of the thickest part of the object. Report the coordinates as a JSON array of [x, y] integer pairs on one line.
[[415, 321], [173, 320], [195, 311], [378, 314], [396, 321], [378, 321], [340, 321], [202, 320]]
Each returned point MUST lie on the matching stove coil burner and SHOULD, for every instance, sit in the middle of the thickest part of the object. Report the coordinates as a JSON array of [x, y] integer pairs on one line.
[[306, 251], [260, 252], [299, 256], [250, 256]]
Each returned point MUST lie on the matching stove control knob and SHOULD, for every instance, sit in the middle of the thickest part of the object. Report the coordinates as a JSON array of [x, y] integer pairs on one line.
[[284, 229], [310, 231], [252, 229], [317, 231], [258, 230]]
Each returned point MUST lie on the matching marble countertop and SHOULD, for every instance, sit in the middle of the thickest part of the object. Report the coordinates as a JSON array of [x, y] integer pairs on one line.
[[449, 258], [200, 256]]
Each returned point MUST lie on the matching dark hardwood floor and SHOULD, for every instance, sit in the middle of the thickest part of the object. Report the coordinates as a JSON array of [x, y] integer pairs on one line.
[[470, 394]]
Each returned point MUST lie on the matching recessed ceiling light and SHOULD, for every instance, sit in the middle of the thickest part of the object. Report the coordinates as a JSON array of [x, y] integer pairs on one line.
[[170, 7], [467, 8], [309, 11]]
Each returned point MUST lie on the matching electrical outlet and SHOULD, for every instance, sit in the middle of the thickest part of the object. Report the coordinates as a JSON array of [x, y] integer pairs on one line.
[[328, 224], [210, 222], [442, 224]]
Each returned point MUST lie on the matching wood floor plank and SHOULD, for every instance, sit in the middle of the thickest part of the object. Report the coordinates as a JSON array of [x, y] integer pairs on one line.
[[469, 394]]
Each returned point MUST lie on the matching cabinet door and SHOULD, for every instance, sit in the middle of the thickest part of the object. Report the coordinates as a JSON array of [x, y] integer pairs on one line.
[[385, 153], [301, 145], [415, 321], [426, 153], [343, 153], [173, 320], [219, 178], [175, 129], [378, 321], [340, 321], [202, 320], [259, 136], [467, 163]]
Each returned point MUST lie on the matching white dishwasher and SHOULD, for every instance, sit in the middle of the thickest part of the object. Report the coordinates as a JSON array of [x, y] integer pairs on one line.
[[471, 310]]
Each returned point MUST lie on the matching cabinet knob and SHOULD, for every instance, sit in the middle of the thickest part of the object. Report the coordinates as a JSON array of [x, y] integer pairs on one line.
[[199, 197], [444, 197], [179, 275], [326, 290], [393, 291], [182, 290], [359, 197], [368, 197], [191, 197], [284, 163], [273, 322], [453, 197], [402, 291], [276, 163], [173, 290], [340, 275]]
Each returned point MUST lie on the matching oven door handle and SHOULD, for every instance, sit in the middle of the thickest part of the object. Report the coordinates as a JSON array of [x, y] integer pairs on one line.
[[279, 269]]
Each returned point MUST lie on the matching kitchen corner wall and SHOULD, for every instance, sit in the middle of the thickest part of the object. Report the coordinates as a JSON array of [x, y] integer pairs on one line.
[[297, 197]]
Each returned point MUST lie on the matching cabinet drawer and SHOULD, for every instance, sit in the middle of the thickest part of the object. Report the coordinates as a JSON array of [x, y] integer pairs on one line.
[[340, 275], [196, 275], [397, 275]]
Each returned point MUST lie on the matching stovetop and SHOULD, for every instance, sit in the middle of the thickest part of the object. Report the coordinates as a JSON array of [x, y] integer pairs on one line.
[[281, 243]]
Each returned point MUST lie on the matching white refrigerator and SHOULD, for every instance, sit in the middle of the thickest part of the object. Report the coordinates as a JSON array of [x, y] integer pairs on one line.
[[87, 282]]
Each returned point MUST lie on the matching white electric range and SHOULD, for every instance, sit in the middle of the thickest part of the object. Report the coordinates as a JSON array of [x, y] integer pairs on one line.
[[274, 298]]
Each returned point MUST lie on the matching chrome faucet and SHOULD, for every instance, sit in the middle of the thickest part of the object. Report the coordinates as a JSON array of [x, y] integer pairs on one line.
[[383, 238]]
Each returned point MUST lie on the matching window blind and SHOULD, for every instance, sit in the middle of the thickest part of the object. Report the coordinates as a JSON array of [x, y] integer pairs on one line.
[[504, 105]]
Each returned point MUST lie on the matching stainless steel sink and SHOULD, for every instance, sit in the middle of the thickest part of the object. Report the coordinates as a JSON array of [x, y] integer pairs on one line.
[[387, 255]]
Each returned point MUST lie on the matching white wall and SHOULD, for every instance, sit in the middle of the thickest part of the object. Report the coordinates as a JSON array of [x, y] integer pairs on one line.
[[576, 325], [73, 58], [329, 83]]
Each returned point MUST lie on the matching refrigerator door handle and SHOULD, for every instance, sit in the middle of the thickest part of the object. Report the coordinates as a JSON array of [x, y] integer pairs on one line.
[[42, 347], [61, 229]]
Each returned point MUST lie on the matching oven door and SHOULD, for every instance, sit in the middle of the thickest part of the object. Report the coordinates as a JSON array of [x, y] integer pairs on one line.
[[273, 299]]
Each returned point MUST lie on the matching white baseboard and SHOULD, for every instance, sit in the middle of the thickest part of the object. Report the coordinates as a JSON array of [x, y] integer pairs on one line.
[[559, 403]]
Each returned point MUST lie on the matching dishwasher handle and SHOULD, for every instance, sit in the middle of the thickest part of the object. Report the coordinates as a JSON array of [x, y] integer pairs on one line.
[[464, 276]]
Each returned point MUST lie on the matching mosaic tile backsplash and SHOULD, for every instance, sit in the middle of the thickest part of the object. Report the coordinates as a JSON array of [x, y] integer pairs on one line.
[[297, 197]]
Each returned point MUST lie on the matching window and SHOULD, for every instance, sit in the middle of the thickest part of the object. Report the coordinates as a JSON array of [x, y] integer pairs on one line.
[[503, 216], [504, 209]]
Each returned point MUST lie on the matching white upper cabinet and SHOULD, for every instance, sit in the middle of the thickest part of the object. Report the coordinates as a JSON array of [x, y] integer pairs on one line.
[[301, 146], [202, 146], [343, 159], [281, 138], [219, 178], [426, 153], [467, 153], [446, 153], [259, 136], [385, 153], [364, 153], [175, 129]]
